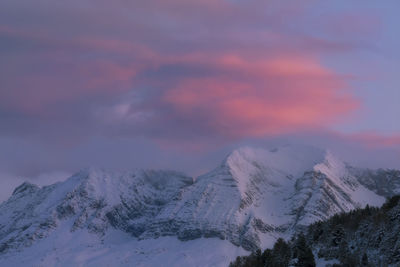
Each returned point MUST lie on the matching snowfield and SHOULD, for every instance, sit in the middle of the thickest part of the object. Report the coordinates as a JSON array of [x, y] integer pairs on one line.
[[64, 248]]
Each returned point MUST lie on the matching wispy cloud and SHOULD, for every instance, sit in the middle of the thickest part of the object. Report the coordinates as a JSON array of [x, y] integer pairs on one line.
[[244, 75]]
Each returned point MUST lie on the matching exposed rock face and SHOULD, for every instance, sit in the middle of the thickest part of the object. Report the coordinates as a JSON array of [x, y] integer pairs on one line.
[[252, 198], [383, 182]]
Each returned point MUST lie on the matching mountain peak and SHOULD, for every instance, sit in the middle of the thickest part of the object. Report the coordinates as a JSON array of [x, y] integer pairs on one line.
[[25, 187], [100, 183], [294, 159]]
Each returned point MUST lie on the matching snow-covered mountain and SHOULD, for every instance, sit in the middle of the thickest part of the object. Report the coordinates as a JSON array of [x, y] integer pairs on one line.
[[98, 217]]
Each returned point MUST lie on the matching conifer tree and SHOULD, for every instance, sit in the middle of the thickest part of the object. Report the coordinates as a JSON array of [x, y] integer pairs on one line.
[[281, 253], [364, 260], [304, 253]]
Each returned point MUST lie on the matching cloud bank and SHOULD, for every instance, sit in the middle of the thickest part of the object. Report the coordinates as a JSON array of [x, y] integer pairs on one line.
[[168, 76]]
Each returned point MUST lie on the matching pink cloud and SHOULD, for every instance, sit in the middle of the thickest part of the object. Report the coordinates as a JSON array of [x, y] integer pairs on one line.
[[263, 97], [375, 140], [249, 92]]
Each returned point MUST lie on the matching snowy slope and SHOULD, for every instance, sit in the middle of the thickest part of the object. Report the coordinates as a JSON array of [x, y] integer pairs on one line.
[[80, 248], [252, 198]]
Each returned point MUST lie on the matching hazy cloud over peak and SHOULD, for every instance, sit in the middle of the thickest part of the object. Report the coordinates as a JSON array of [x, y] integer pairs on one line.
[[84, 81]]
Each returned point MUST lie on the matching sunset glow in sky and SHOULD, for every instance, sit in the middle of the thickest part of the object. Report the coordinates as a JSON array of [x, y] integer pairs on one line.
[[176, 84]]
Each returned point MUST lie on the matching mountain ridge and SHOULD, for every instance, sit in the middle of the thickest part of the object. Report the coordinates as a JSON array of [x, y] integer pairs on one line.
[[253, 197]]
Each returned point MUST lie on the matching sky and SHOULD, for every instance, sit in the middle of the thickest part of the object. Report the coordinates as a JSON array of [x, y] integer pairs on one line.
[[178, 84]]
